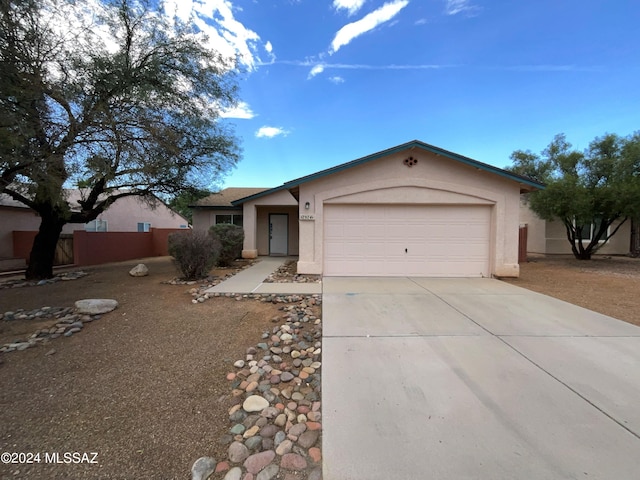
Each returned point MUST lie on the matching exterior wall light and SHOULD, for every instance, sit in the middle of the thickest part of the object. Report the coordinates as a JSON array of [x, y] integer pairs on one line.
[[307, 206]]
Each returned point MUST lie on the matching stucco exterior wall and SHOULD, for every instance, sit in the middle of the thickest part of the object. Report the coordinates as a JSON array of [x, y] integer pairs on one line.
[[536, 231], [15, 219], [550, 237], [125, 214], [203, 217], [557, 243], [122, 216], [433, 180]]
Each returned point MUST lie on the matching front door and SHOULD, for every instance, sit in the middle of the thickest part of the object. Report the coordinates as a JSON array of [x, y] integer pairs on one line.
[[278, 234]]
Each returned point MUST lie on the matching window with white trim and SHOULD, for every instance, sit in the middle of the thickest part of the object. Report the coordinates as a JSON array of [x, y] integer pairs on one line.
[[227, 218], [96, 225], [143, 226], [588, 231]]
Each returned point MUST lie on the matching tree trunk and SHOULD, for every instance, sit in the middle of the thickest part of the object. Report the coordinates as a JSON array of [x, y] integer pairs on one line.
[[44, 248], [585, 255]]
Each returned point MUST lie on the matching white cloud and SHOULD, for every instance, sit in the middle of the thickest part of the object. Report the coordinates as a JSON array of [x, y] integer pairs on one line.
[[227, 35], [353, 30], [316, 70], [453, 7], [270, 132], [241, 110], [351, 6], [336, 79]]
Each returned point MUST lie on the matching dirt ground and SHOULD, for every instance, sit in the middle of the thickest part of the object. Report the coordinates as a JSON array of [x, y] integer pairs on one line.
[[144, 386], [609, 285]]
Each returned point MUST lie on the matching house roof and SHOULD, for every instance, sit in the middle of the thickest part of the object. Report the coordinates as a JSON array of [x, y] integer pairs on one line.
[[73, 195], [527, 183], [227, 197], [7, 201]]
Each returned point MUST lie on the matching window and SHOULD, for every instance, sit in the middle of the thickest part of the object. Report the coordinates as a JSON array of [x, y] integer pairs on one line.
[[234, 219], [143, 226], [96, 226], [588, 231]]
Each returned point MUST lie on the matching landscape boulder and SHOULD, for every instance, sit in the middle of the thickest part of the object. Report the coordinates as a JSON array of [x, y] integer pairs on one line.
[[95, 306], [139, 270]]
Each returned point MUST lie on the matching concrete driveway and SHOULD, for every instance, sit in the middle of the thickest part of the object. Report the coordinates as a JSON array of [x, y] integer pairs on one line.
[[474, 379]]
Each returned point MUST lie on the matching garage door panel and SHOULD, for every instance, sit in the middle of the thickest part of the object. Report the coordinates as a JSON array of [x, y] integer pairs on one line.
[[439, 240]]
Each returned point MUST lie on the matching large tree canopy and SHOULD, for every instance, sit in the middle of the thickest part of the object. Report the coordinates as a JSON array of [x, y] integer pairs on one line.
[[592, 192], [114, 97]]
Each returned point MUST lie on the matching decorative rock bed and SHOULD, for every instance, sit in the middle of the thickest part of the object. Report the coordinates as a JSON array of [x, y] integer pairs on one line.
[[65, 322], [287, 273], [276, 421], [61, 277]]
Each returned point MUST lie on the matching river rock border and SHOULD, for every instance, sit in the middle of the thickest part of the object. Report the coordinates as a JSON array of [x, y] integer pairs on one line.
[[276, 420], [66, 323], [61, 277]]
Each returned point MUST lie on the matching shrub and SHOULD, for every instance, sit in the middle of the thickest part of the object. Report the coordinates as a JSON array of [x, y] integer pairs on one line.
[[194, 252], [231, 239]]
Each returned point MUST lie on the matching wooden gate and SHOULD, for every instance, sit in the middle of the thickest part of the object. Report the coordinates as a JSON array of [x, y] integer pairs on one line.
[[635, 238], [522, 244], [64, 250]]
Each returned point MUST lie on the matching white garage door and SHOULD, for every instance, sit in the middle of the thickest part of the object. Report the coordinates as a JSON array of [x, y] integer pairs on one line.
[[411, 240]]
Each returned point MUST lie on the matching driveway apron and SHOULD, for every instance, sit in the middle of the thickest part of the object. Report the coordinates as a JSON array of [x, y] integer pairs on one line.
[[474, 379]]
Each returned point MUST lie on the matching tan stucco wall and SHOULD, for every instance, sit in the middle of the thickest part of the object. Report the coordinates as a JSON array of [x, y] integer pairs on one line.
[[551, 237], [434, 180], [536, 228], [203, 218]]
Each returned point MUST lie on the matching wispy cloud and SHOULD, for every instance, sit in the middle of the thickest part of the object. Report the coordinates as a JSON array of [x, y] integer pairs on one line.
[[353, 30], [454, 7], [336, 79], [270, 132], [351, 6], [231, 38], [241, 110], [316, 70]]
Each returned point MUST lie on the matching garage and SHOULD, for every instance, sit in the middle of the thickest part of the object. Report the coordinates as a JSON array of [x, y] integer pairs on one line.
[[407, 240]]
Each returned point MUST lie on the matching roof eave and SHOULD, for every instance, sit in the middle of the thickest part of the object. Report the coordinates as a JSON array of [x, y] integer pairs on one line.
[[524, 181]]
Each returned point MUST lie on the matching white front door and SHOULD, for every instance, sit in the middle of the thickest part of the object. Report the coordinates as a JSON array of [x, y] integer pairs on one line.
[[278, 234]]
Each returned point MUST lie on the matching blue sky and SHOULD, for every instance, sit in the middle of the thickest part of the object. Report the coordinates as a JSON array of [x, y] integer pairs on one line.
[[329, 81]]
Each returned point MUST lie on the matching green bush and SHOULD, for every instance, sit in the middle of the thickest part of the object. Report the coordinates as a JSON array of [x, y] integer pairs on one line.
[[231, 239], [195, 253]]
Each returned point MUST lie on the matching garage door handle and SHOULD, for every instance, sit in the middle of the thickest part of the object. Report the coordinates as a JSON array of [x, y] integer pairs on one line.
[[406, 251]]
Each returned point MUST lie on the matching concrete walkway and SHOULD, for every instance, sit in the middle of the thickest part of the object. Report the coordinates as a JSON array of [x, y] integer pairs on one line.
[[251, 280], [474, 379]]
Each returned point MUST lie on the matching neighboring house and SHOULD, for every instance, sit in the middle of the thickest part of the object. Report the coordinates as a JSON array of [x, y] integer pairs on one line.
[[128, 214], [550, 237], [414, 209]]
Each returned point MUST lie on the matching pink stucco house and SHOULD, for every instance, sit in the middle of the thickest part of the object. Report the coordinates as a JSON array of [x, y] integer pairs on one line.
[[413, 209], [128, 214]]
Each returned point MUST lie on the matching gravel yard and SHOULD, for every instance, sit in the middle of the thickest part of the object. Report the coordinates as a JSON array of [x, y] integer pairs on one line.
[[145, 386]]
